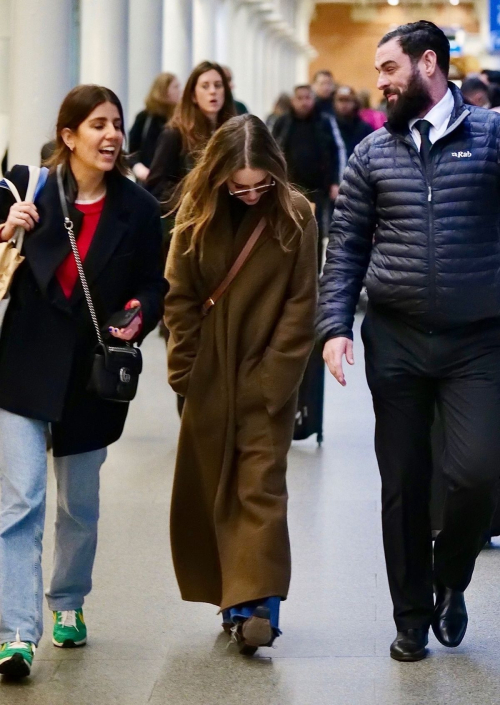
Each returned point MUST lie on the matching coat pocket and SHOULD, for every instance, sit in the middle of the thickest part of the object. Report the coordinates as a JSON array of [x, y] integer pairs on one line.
[[281, 374]]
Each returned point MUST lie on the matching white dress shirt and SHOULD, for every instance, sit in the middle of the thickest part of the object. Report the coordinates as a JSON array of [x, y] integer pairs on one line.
[[439, 117]]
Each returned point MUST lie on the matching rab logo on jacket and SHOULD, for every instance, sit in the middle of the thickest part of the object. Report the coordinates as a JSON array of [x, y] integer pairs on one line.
[[461, 155]]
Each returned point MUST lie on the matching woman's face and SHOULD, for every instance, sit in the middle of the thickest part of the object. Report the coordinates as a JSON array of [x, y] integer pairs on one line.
[[97, 141], [252, 182], [174, 92], [209, 93]]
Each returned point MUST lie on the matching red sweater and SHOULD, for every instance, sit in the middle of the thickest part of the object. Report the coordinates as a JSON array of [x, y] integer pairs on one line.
[[67, 272]]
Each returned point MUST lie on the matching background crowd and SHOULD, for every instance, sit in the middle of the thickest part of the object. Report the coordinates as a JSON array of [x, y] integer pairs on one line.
[[317, 127]]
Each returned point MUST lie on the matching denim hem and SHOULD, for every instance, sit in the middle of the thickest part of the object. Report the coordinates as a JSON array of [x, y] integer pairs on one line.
[[64, 604], [244, 611], [7, 637]]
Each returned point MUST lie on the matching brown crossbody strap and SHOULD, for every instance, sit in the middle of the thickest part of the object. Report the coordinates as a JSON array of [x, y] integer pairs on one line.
[[240, 261]]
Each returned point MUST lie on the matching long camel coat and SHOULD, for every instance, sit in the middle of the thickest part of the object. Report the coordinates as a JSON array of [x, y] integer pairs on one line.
[[239, 369]]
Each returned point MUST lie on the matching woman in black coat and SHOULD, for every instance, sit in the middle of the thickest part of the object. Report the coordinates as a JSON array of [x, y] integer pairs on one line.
[[46, 351]]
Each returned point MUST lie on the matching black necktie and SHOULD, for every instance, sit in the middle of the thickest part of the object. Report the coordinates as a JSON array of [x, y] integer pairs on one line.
[[424, 127]]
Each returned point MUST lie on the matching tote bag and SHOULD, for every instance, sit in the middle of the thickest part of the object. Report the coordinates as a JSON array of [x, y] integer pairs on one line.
[[10, 251]]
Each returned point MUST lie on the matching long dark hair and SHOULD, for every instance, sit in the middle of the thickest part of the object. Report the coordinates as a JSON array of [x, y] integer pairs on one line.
[[75, 109], [194, 126], [242, 142]]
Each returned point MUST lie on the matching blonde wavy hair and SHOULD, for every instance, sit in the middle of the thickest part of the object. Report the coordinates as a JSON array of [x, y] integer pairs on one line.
[[157, 102], [242, 142]]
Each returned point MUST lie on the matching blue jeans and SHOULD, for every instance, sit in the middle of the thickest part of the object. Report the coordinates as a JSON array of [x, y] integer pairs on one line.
[[241, 612], [23, 486]]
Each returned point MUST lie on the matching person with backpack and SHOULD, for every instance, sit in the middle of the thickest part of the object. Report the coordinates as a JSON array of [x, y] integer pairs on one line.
[[51, 371]]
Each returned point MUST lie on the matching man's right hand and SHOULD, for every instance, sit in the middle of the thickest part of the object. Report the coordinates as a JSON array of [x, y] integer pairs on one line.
[[333, 352]]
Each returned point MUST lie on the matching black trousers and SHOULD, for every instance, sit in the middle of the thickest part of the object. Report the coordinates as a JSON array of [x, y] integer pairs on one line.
[[409, 371]]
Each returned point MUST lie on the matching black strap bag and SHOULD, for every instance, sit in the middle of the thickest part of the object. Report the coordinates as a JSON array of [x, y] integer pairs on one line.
[[115, 368]]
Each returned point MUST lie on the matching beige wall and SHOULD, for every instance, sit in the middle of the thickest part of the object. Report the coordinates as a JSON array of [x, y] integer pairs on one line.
[[346, 36]]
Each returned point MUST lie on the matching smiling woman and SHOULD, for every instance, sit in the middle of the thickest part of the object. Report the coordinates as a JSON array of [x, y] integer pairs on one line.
[[84, 120], [118, 233]]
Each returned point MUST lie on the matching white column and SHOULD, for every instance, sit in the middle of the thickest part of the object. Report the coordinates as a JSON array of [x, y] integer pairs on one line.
[[4, 74], [145, 35], [259, 69], [224, 31], [177, 38], [282, 68], [204, 23], [290, 64], [275, 86], [303, 67], [104, 45], [304, 14], [263, 67], [239, 43], [247, 90], [269, 70], [40, 74]]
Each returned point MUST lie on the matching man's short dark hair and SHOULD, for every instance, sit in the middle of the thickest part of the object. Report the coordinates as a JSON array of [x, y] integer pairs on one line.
[[303, 86], [322, 72], [473, 85], [492, 76], [416, 38]]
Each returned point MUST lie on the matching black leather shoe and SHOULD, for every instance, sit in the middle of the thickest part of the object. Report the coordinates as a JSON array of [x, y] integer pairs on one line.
[[449, 623], [409, 645]]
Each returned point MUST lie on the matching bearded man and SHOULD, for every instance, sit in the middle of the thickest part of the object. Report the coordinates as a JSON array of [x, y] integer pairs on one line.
[[417, 218]]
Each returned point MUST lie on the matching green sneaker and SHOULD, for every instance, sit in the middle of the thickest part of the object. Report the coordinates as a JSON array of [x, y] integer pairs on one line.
[[16, 658], [69, 629]]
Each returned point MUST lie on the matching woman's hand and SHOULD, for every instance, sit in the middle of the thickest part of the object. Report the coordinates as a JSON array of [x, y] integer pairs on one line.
[[133, 329], [141, 171], [22, 214]]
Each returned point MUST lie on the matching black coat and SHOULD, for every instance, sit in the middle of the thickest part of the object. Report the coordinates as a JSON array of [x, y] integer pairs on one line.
[[170, 165], [47, 341], [316, 167], [353, 131], [143, 137], [427, 240]]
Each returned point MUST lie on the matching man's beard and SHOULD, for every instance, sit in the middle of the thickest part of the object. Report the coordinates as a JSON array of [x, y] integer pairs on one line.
[[412, 102]]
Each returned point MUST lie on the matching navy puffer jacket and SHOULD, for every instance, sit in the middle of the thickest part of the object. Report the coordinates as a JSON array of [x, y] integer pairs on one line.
[[427, 243]]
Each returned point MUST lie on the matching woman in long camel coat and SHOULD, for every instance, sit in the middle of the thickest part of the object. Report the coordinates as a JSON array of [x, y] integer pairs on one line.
[[239, 368]]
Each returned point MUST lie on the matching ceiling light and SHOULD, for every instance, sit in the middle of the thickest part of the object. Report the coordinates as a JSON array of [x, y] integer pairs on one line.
[[394, 3], [455, 2]]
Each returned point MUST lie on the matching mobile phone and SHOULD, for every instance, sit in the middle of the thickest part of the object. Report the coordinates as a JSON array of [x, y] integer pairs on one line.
[[122, 319]]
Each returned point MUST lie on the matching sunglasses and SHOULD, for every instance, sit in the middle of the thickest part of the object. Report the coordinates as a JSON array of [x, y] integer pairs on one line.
[[258, 189]]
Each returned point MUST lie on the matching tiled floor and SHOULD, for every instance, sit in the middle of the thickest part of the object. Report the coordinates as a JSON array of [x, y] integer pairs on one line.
[[146, 646]]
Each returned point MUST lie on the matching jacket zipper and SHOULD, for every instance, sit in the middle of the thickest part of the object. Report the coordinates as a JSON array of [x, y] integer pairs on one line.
[[430, 225], [431, 245], [427, 173]]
